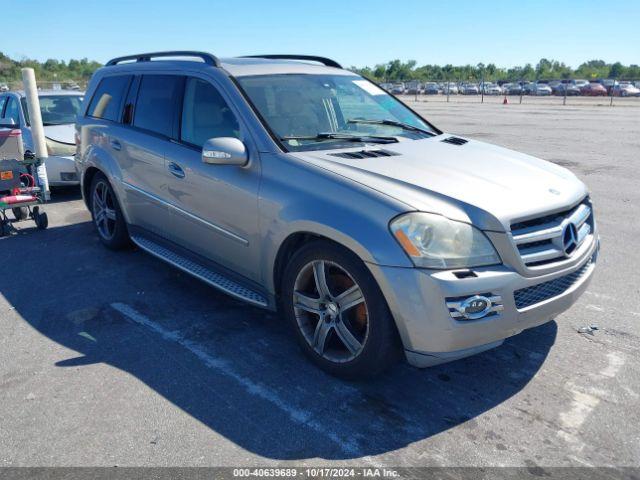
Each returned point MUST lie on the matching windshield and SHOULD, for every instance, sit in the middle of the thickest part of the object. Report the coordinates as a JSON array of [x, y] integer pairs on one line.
[[321, 110], [56, 109]]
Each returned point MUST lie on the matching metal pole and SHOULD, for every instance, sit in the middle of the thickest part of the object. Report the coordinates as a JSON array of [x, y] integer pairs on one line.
[[614, 84], [564, 100], [521, 90], [37, 129], [482, 88]]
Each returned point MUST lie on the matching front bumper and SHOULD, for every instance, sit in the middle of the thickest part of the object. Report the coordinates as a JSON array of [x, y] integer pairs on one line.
[[61, 171], [417, 299]]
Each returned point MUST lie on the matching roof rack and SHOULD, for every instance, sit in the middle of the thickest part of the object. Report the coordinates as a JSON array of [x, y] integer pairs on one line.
[[310, 58], [146, 57]]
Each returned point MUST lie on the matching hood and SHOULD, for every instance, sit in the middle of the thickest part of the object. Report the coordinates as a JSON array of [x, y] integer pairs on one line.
[[61, 133], [476, 182]]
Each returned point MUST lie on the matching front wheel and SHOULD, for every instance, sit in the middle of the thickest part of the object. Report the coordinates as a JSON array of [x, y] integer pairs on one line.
[[107, 215], [40, 218], [339, 315], [5, 228]]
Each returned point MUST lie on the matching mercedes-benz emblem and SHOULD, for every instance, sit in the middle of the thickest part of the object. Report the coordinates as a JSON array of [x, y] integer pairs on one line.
[[569, 238]]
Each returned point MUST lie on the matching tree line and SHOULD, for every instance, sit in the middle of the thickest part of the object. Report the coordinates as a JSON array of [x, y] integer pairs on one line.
[[48, 71], [397, 70]]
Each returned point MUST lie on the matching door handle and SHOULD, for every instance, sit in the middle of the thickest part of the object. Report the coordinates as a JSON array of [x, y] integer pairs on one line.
[[176, 170], [115, 144]]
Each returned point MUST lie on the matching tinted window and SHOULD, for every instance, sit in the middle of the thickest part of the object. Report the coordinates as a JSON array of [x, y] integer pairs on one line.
[[156, 103], [107, 100], [12, 110], [205, 114], [3, 100]]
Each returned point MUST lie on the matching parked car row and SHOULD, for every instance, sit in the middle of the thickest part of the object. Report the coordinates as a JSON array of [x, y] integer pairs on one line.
[[576, 87]]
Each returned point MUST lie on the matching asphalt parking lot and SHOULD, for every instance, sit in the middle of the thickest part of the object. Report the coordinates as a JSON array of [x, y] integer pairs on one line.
[[118, 359]]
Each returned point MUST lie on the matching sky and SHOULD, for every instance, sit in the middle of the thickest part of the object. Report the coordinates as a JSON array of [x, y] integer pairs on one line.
[[353, 32]]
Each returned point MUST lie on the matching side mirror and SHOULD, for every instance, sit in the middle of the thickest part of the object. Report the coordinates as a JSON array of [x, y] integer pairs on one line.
[[224, 151], [8, 123]]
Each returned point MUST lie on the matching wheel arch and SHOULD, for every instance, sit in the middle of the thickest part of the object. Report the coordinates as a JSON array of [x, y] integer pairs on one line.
[[87, 179], [294, 242], [100, 161], [301, 237]]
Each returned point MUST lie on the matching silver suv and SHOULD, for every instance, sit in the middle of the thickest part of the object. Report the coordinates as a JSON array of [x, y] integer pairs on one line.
[[289, 182]]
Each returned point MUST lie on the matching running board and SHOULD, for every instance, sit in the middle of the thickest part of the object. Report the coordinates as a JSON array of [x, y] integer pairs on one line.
[[201, 272]]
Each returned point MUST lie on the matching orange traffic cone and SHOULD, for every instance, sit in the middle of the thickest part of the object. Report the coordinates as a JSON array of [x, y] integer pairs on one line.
[[505, 101]]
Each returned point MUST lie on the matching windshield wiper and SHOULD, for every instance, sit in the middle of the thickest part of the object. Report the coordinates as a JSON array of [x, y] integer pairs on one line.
[[392, 123], [342, 136]]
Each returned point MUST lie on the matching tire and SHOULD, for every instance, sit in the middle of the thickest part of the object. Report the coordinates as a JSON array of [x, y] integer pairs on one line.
[[106, 214], [20, 213], [41, 219], [359, 341], [5, 229]]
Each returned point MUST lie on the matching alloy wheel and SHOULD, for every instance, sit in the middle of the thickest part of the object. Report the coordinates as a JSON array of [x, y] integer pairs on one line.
[[331, 311], [104, 211]]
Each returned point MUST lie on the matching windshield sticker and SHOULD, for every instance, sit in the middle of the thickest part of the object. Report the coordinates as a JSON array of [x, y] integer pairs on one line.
[[369, 87]]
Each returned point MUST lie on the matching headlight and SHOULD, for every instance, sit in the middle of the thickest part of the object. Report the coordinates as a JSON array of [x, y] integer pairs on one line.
[[434, 241], [60, 149]]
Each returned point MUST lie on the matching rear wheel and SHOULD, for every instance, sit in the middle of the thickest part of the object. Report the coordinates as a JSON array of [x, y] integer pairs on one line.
[[20, 213], [339, 315], [107, 215]]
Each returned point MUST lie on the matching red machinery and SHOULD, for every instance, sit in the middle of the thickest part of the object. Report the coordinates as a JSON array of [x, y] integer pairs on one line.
[[18, 190]]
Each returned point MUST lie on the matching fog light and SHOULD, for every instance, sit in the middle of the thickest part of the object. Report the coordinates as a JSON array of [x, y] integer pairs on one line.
[[69, 176], [474, 307]]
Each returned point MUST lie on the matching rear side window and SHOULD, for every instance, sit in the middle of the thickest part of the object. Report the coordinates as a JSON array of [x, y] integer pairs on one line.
[[107, 101], [3, 100], [156, 104]]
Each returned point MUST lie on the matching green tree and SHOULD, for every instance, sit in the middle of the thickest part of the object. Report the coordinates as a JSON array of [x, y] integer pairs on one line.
[[617, 70]]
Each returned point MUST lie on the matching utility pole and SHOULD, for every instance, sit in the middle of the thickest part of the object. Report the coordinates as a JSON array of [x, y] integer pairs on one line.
[[37, 129], [521, 90]]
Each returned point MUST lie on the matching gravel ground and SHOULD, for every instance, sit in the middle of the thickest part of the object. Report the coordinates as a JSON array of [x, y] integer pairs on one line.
[[117, 359]]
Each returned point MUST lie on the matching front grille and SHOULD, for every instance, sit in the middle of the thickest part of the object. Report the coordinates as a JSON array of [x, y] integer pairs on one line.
[[525, 297], [544, 240], [364, 154]]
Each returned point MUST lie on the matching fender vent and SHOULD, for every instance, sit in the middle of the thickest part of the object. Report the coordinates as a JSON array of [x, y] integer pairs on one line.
[[364, 154], [455, 140]]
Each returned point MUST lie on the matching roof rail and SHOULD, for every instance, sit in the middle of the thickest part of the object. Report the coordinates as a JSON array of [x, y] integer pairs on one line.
[[146, 57], [310, 58]]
